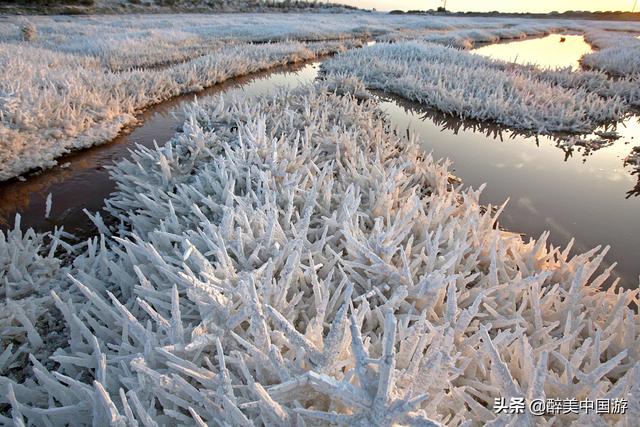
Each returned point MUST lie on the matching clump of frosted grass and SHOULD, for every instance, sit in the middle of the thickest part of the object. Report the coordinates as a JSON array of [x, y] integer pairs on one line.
[[52, 103], [618, 53], [30, 267], [475, 87], [289, 260], [28, 31]]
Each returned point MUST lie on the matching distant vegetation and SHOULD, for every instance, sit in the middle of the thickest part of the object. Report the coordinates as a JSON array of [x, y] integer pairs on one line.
[[141, 6], [47, 3], [570, 14]]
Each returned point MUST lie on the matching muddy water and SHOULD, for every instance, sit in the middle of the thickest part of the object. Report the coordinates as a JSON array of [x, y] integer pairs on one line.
[[552, 51], [85, 183], [591, 197]]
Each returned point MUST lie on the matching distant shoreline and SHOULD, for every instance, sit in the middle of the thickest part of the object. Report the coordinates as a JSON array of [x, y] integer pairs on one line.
[[599, 16]]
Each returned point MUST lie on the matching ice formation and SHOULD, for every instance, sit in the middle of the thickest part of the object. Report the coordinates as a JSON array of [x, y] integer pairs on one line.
[[31, 266], [82, 79], [618, 53], [75, 104], [289, 260], [475, 87]]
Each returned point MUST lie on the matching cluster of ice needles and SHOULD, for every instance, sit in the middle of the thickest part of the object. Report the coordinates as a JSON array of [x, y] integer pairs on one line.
[[289, 261]]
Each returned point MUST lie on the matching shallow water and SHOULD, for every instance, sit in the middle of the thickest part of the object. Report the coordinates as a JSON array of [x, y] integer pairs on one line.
[[85, 183], [592, 198], [546, 51]]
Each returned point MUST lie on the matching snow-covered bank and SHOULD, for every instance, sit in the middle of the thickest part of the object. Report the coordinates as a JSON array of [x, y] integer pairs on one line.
[[470, 86], [618, 52], [289, 260], [53, 103], [468, 38]]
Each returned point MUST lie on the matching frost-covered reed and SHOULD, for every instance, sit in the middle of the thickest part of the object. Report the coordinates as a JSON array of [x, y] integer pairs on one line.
[[618, 53], [475, 87], [51, 103], [82, 79], [289, 260]]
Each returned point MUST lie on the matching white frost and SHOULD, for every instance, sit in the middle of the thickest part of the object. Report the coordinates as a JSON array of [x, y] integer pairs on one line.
[[471, 86], [618, 53], [290, 261]]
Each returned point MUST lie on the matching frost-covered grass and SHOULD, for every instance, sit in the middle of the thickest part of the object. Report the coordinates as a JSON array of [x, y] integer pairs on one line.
[[30, 267], [618, 52], [77, 81], [120, 42], [52, 103], [471, 86], [83, 79], [468, 38], [288, 260]]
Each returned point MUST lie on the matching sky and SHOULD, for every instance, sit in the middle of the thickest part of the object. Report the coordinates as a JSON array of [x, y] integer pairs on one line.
[[499, 5]]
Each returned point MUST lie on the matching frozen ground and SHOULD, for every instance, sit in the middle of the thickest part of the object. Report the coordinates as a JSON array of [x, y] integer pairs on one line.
[[471, 86], [618, 52], [290, 261], [72, 82]]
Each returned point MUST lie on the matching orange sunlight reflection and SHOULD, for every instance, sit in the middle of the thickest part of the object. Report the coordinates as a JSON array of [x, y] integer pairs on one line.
[[548, 51]]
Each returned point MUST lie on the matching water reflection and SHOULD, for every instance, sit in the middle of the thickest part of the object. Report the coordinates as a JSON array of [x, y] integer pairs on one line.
[[555, 50], [568, 194], [85, 183]]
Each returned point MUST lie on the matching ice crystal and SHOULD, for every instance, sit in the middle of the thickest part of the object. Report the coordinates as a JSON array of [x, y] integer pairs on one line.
[[472, 86], [289, 260]]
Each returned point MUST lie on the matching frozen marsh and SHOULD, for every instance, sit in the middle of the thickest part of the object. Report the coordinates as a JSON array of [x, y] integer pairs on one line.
[[79, 81], [289, 261], [292, 259], [475, 87]]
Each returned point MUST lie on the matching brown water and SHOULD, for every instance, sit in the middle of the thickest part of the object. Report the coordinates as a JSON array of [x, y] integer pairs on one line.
[[85, 183], [547, 51]]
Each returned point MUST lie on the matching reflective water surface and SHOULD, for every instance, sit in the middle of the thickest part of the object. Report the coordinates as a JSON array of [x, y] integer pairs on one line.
[[554, 50], [85, 183], [588, 195]]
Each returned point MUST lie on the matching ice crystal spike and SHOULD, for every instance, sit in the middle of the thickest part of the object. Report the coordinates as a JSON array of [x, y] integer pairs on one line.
[[334, 277]]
